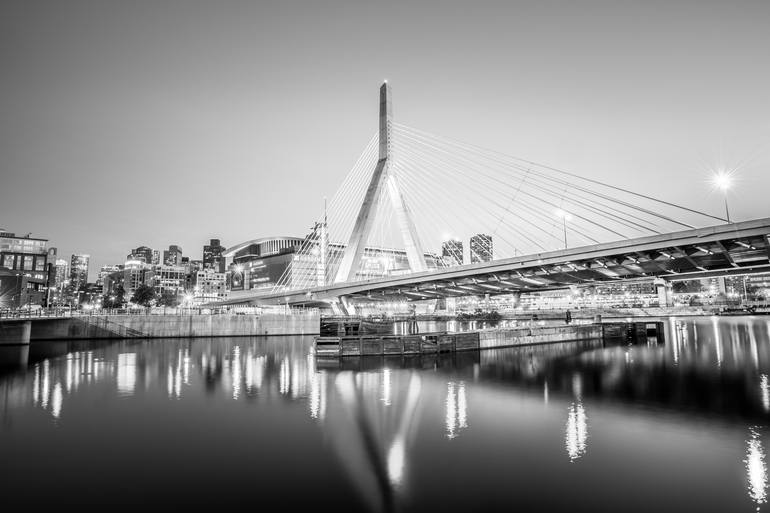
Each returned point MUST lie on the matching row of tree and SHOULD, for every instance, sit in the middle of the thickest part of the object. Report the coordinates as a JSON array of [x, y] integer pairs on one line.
[[144, 295]]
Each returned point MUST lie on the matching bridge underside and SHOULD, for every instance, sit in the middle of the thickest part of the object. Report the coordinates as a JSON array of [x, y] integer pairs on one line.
[[736, 248]]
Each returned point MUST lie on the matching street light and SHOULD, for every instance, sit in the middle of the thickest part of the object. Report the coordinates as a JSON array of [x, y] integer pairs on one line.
[[565, 216], [723, 180]]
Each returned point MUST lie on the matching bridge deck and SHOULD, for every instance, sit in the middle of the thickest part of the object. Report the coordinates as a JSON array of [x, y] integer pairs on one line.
[[735, 248]]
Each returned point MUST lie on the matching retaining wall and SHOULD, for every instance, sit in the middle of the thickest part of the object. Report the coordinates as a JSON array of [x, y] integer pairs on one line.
[[170, 326], [15, 332]]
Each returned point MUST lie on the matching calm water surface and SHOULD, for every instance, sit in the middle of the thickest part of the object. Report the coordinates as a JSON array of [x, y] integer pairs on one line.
[[659, 426]]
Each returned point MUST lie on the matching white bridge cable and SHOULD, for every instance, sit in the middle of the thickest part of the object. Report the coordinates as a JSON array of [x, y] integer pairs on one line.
[[489, 152], [463, 162], [567, 191], [458, 167], [419, 184], [486, 193], [420, 193], [338, 217]]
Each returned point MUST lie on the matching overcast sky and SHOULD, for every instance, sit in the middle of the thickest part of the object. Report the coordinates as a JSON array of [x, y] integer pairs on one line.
[[127, 123]]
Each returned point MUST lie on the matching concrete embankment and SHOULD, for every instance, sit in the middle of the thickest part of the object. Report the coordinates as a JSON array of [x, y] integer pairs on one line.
[[15, 332], [171, 326]]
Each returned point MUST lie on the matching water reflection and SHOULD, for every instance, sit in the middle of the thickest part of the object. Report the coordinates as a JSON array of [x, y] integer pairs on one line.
[[386, 420], [456, 409], [577, 431], [756, 468]]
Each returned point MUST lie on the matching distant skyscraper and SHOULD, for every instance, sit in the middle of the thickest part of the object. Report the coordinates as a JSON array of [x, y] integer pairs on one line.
[[155, 257], [172, 256], [142, 253], [61, 273], [79, 270], [212, 256], [452, 252], [481, 248]]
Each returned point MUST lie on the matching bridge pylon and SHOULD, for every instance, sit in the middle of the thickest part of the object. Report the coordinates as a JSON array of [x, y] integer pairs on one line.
[[383, 181]]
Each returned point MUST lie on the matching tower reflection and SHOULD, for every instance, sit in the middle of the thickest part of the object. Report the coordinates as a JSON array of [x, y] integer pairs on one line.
[[370, 437]]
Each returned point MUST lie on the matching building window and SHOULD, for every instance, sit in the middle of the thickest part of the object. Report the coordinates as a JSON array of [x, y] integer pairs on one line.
[[40, 264], [27, 263]]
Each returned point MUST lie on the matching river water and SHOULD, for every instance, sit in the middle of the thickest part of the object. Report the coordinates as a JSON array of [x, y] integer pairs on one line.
[[674, 425]]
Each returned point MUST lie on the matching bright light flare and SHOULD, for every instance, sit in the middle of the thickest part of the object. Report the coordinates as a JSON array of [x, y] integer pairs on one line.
[[722, 180]]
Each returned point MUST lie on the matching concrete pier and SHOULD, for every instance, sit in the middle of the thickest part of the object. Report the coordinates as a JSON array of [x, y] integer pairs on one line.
[[15, 332]]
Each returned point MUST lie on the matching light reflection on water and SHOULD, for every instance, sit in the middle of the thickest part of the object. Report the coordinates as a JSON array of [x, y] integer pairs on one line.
[[392, 429]]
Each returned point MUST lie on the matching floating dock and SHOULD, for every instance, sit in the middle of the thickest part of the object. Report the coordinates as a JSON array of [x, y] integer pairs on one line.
[[448, 342]]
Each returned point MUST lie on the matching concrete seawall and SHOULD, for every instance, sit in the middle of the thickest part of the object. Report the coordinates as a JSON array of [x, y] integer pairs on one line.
[[15, 332], [171, 326]]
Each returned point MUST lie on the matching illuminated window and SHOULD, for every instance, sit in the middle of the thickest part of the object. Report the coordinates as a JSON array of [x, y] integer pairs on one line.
[[27, 262]]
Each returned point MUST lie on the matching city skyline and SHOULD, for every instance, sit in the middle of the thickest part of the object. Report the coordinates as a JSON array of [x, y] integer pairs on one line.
[[643, 96]]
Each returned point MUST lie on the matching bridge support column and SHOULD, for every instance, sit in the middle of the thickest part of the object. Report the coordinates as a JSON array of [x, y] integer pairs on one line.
[[663, 289]]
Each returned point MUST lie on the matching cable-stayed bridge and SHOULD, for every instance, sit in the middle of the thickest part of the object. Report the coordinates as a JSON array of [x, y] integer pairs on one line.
[[393, 230]]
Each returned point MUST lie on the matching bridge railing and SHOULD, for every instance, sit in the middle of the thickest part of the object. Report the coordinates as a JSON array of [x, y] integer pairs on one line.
[[56, 313]]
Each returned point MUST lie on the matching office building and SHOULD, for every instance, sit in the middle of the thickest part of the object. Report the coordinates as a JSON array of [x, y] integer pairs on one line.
[[142, 254], [210, 286], [481, 248], [61, 273], [170, 279], [452, 252], [172, 256], [25, 256], [105, 271], [78, 271], [212, 256]]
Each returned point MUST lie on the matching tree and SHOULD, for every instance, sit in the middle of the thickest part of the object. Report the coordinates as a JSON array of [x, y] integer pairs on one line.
[[169, 298], [116, 299], [144, 295]]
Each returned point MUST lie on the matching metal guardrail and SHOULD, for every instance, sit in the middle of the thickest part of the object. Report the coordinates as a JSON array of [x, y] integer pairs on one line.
[[59, 313]]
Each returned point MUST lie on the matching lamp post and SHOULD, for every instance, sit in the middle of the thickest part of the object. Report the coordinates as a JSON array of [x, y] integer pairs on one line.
[[723, 181], [564, 218]]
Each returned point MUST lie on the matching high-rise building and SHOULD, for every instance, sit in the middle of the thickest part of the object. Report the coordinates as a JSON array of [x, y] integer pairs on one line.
[[61, 273], [172, 256], [79, 271], [155, 257], [481, 248], [452, 252], [142, 254], [212, 256]]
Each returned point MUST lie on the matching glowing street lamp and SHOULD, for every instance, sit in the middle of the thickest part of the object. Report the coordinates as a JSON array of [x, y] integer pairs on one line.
[[565, 216], [723, 180]]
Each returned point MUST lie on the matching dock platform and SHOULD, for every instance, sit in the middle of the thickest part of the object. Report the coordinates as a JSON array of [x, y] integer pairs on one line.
[[448, 342]]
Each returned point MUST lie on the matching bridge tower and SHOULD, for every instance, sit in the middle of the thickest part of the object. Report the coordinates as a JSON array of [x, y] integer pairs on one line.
[[383, 181]]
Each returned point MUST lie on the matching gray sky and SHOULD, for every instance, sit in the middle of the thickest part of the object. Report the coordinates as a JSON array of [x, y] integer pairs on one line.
[[171, 122]]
